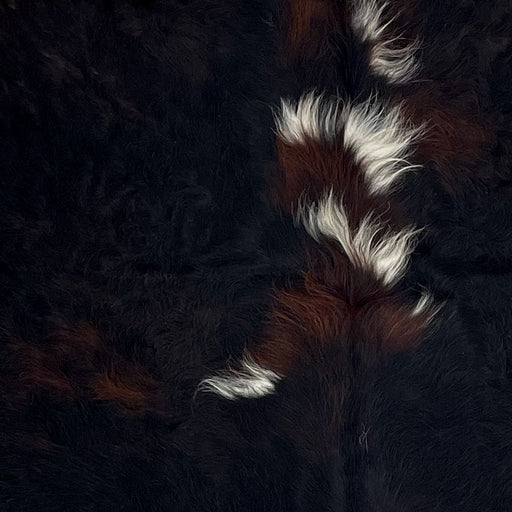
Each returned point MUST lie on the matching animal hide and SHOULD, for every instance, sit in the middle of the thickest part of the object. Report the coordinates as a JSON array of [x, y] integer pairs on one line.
[[256, 255]]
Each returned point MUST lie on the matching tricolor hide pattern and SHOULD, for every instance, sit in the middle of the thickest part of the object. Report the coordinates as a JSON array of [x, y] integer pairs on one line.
[[256, 256]]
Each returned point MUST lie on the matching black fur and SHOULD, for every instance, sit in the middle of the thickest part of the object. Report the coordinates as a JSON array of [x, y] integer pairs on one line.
[[139, 247]]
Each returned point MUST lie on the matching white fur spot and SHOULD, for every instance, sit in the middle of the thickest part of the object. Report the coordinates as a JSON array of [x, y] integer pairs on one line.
[[311, 116], [426, 305], [425, 302], [250, 381], [381, 142], [398, 65], [369, 246]]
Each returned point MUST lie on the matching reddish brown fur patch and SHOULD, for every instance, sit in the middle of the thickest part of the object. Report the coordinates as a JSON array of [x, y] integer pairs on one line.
[[128, 385], [32, 367], [333, 302], [38, 369], [450, 139], [309, 26], [388, 327], [303, 322], [73, 361], [310, 169], [301, 319]]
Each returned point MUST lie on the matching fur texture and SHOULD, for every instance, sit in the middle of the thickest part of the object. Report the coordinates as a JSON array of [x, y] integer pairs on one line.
[[256, 256]]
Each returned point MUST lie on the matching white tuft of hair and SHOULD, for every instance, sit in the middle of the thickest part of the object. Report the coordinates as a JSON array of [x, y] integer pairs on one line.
[[250, 381], [312, 116], [381, 142], [426, 304], [369, 246], [376, 132], [397, 65]]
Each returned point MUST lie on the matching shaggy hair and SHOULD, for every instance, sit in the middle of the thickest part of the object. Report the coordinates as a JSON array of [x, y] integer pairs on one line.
[[256, 256]]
